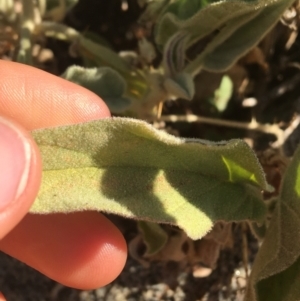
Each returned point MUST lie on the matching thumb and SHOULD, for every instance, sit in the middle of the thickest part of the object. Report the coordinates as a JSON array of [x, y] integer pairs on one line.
[[20, 174]]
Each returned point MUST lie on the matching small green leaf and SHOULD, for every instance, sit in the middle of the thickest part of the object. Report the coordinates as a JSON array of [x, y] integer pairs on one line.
[[105, 82], [276, 271], [154, 236], [125, 166], [237, 170], [223, 93]]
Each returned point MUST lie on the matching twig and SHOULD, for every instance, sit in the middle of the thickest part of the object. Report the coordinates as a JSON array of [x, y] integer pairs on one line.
[[253, 125], [159, 109]]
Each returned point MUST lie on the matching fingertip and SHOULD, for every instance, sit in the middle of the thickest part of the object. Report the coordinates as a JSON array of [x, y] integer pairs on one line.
[[83, 250], [2, 298], [105, 256], [100, 256], [38, 99]]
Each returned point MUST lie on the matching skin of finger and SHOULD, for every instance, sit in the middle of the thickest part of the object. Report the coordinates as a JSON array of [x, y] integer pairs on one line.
[[13, 214], [38, 99], [60, 106], [90, 245]]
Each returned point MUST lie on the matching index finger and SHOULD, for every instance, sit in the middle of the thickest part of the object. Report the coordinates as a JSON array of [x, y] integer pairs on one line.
[[37, 99]]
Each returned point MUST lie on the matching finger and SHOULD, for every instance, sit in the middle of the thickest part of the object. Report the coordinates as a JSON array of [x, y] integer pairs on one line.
[[38, 99], [89, 256], [20, 174], [62, 103]]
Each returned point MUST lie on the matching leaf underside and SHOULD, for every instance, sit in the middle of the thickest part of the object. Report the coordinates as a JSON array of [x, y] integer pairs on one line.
[[126, 167]]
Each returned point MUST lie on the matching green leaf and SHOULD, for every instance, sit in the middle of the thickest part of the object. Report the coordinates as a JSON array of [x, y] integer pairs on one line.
[[231, 27], [105, 82], [246, 36], [276, 270], [205, 21], [154, 236], [174, 54], [283, 286], [105, 57], [125, 166]]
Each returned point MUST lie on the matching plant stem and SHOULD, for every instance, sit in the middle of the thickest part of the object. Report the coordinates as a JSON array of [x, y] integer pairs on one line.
[[26, 28], [253, 125]]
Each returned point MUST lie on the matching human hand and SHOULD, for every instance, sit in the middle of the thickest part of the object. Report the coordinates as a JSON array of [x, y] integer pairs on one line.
[[83, 250]]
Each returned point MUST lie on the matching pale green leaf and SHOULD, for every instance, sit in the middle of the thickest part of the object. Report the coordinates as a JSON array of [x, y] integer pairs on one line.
[[223, 93], [125, 166], [96, 52], [276, 271], [174, 54], [232, 28], [205, 21], [105, 57], [154, 237], [105, 82], [246, 36]]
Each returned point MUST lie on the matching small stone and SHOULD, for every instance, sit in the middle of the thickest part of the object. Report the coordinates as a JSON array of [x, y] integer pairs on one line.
[[100, 292]]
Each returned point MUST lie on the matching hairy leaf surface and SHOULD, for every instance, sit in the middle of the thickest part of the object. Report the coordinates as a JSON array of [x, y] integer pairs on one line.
[[232, 28], [125, 166], [102, 56], [276, 271]]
